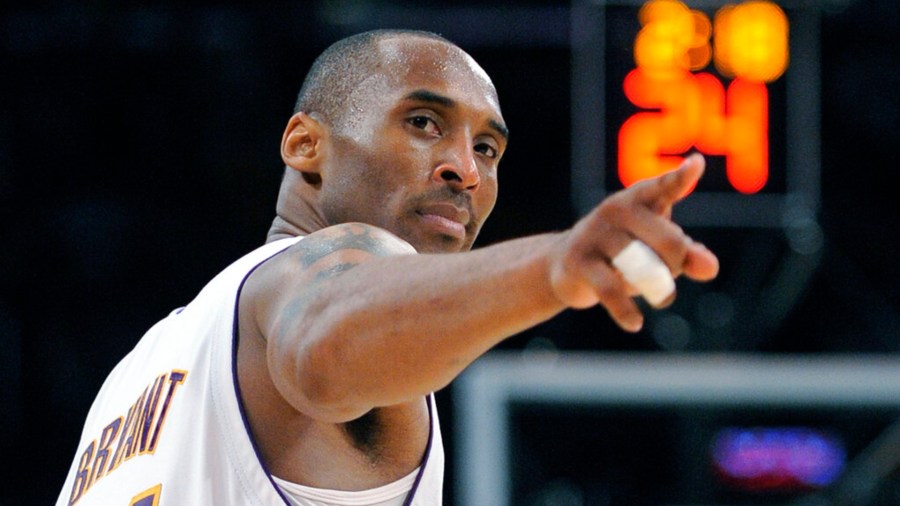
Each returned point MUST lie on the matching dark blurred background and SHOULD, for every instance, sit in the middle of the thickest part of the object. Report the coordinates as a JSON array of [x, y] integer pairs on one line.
[[139, 155]]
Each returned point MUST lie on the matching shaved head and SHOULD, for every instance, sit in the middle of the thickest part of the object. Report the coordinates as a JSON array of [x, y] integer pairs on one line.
[[342, 68]]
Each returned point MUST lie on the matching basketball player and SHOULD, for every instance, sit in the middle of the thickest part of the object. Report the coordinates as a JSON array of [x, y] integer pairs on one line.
[[304, 373]]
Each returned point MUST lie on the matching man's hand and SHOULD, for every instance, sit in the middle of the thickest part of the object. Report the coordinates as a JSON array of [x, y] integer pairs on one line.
[[581, 271]]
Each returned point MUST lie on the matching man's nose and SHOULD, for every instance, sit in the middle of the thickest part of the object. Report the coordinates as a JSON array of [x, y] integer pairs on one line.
[[459, 169]]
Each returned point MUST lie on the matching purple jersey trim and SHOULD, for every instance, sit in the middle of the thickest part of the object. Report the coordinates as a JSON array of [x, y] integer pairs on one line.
[[415, 487], [234, 379]]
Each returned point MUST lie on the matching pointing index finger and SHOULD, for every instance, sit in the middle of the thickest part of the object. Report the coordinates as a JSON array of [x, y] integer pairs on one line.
[[664, 191]]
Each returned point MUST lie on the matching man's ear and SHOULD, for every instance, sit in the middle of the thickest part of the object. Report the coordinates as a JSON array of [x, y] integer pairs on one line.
[[302, 147]]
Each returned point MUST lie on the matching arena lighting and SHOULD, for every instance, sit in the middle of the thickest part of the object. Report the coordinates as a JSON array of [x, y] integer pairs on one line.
[[773, 459], [687, 110]]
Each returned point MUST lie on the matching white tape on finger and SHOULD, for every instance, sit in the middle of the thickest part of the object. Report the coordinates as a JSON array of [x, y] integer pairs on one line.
[[645, 271]]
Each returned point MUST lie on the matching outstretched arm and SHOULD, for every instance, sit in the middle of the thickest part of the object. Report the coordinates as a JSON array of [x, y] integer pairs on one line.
[[354, 319]]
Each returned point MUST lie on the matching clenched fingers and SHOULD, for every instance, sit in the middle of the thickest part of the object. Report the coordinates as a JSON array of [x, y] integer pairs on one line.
[[582, 282]]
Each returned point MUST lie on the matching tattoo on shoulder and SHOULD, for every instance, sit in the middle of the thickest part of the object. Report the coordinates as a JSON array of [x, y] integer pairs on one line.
[[346, 237], [334, 270]]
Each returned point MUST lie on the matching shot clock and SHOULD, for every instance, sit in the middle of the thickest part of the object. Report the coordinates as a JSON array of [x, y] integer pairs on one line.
[[653, 81], [684, 107]]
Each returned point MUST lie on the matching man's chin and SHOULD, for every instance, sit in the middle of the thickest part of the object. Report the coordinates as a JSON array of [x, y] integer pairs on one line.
[[442, 244]]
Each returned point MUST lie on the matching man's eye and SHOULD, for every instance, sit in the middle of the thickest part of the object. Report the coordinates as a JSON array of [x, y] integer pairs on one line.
[[486, 150], [423, 123]]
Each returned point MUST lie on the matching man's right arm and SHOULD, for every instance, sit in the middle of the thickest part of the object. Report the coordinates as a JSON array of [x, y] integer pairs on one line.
[[355, 320]]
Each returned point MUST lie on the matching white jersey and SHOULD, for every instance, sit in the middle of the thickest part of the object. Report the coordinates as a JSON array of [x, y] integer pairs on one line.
[[168, 428]]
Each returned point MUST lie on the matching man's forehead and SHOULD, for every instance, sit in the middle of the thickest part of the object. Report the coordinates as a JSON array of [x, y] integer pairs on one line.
[[411, 62], [410, 58]]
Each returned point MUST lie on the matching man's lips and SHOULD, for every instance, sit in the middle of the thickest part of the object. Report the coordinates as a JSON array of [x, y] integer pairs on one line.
[[446, 218]]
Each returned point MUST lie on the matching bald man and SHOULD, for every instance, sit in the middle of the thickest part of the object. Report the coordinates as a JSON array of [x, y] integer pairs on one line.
[[304, 373]]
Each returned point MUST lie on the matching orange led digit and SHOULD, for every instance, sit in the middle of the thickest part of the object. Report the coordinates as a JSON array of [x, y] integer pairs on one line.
[[751, 41], [646, 137], [747, 158]]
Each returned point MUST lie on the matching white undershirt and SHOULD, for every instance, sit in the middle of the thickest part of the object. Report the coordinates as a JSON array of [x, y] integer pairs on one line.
[[392, 494]]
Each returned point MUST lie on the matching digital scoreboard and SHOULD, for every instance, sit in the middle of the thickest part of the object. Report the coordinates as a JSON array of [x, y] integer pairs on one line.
[[684, 107], [653, 81]]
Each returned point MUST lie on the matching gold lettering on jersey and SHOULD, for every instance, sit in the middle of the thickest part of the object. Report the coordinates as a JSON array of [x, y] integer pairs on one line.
[[135, 433]]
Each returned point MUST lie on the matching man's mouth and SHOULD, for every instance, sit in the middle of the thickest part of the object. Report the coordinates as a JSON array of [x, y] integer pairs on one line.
[[445, 218]]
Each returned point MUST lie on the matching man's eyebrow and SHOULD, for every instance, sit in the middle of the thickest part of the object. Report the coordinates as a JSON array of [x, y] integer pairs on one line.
[[431, 98], [435, 98], [500, 128]]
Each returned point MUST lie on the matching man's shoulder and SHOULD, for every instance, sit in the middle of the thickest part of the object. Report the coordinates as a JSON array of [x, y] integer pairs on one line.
[[357, 236]]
